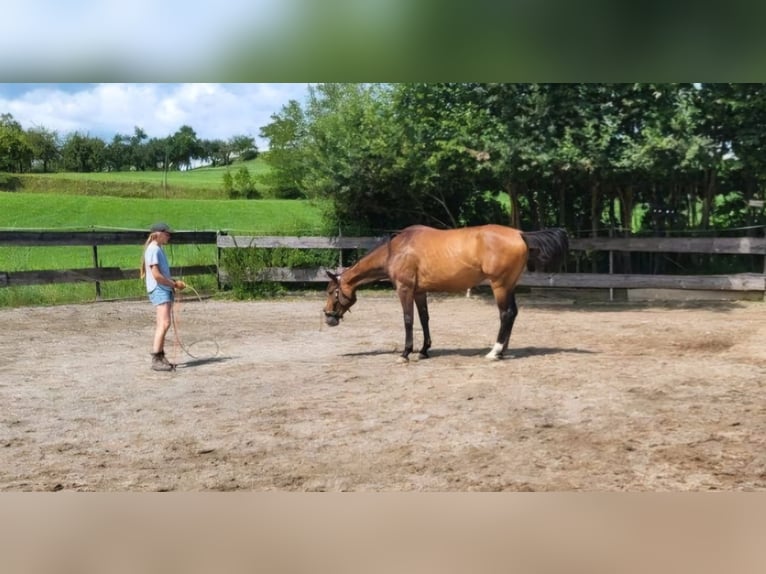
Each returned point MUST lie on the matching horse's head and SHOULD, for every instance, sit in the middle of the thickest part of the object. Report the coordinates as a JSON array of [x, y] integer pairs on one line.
[[337, 302]]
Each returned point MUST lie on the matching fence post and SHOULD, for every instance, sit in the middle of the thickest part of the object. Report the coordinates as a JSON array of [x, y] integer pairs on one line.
[[218, 260], [95, 264], [611, 262]]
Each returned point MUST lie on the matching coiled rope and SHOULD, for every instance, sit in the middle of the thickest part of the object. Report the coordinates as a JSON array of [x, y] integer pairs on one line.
[[212, 348]]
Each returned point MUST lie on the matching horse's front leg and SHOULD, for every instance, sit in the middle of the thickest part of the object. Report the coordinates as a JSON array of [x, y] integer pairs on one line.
[[406, 298], [421, 302], [506, 303]]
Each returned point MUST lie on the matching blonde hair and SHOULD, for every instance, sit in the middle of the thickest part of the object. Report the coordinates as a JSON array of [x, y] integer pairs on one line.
[[152, 237]]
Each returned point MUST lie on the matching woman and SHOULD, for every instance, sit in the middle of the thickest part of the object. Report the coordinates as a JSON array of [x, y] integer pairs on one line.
[[159, 286]]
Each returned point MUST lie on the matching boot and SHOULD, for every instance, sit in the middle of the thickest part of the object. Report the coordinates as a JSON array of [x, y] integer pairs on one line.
[[160, 363]]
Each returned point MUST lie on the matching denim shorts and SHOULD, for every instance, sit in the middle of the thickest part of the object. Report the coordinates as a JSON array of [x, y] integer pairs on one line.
[[158, 296]]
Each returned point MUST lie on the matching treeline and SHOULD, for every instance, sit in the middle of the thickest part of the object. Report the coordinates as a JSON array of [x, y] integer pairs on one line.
[[39, 149], [595, 158]]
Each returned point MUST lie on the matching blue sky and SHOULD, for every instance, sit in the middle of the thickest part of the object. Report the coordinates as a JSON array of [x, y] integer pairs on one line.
[[213, 110]]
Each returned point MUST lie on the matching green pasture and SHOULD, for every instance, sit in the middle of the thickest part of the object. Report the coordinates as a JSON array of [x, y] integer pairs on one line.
[[61, 211], [51, 211], [199, 183]]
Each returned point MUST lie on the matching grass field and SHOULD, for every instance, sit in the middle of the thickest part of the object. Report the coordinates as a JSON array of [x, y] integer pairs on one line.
[[70, 210], [57, 211], [199, 183]]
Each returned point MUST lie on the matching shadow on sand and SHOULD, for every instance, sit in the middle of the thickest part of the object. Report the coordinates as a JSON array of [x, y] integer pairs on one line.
[[202, 361], [511, 353]]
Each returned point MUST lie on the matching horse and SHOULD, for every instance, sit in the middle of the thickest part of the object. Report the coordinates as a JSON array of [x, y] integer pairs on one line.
[[421, 259]]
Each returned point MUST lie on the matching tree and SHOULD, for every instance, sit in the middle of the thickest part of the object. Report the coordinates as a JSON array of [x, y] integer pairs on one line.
[[45, 146], [222, 153], [183, 147], [137, 157], [734, 120], [83, 153], [351, 156], [443, 151], [243, 147], [118, 153], [217, 152], [156, 153], [288, 142], [15, 152]]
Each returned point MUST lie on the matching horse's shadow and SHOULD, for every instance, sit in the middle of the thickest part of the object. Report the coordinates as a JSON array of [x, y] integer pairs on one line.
[[511, 353], [523, 352]]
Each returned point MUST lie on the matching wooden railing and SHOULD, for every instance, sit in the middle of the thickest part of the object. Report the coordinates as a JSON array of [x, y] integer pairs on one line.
[[707, 245], [715, 245], [93, 239], [97, 273]]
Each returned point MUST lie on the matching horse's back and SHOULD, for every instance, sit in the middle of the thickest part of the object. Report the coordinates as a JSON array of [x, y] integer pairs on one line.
[[432, 259]]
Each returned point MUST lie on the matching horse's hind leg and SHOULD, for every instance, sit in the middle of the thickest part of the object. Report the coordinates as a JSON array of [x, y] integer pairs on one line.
[[406, 299], [512, 312], [421, 302], [506, 303]]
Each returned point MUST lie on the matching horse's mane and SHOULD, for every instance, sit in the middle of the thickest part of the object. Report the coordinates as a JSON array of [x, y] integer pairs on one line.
[[383, 240], [547, 248]]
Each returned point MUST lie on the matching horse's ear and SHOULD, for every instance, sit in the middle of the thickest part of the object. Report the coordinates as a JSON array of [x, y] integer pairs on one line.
[[332, 276]]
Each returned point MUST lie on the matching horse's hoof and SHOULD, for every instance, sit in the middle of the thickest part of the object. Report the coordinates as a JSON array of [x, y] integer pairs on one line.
[[496, 352], [422, 355], [402, 360]]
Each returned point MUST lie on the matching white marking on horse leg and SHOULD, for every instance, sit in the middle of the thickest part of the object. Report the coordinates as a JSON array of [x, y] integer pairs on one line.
[[496, 352]]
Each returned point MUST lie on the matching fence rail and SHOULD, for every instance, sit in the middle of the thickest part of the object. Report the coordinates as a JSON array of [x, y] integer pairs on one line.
[[272, 242], [715, 245], [96, 238], [90, 274], [97, 274]]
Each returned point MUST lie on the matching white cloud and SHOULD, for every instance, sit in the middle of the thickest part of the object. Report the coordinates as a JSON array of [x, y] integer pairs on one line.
[[139, 35], [214, 111]]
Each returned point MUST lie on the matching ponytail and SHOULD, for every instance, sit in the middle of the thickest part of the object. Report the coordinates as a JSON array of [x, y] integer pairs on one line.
[[152, 237]]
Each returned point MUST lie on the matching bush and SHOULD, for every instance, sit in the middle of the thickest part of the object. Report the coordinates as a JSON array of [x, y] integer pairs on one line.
[[9, 182], [240, 185], [242, 265]]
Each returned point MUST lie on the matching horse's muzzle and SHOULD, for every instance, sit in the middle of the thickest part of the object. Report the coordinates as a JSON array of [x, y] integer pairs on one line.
[[331, 320]]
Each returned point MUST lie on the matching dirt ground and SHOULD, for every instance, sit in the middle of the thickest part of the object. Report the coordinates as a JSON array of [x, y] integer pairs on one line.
[[597, 397]]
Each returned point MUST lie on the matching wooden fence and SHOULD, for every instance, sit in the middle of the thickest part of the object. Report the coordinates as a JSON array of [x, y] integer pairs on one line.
[[92, 239], [712, 245], [707, 245], [97, 273]]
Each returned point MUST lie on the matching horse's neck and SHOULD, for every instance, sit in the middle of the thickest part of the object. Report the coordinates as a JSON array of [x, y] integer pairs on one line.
[[368, 269]]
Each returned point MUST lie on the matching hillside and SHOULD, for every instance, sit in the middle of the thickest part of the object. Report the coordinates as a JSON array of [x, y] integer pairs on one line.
[[198, 183]]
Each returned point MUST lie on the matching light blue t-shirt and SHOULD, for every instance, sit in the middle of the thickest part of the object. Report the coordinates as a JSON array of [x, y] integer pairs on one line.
[[154, 255]]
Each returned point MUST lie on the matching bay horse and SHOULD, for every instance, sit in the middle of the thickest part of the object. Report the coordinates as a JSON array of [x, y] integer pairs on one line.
[[422, 259]]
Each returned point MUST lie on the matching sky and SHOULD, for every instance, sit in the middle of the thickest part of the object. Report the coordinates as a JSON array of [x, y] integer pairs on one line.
[[213, 110], [379, 41]]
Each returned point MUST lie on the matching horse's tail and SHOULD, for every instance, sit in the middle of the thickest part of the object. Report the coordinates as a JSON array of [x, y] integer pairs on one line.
[[548, 248]]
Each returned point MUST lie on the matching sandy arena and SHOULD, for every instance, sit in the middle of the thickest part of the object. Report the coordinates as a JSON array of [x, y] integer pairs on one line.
[[593, 397]]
